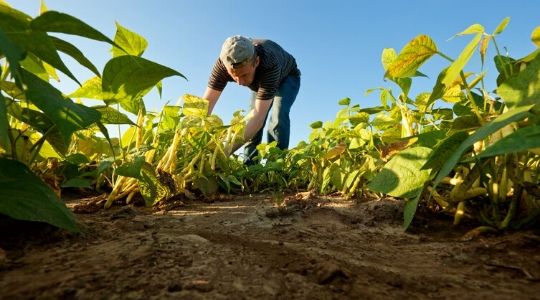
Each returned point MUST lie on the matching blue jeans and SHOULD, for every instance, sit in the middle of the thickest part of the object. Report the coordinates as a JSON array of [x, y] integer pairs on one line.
[[279, 127]]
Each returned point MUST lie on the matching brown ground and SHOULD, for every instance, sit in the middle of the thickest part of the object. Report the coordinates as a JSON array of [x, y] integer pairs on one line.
[[247, 248]]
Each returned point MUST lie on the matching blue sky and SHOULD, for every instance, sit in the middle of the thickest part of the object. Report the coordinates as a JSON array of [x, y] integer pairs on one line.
[[337, 44]]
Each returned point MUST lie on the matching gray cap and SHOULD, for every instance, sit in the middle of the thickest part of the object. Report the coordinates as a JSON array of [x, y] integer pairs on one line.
[[236, 49]]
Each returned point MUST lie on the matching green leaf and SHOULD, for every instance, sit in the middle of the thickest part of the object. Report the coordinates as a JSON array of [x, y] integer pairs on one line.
[[66, 115], [345, 101], [316, 125], [410, 210], [74, 52], [110, 115], [132, 168], [12, 90], [77, 182], [535, 36], [522, 139], [14, 54], [91, 89], [502, 120], [4, 125], [43, 124], [53, 21], [452, 73], [131, 42], [523, 88], [444, 149], [411, 57], [24, 196], [402, 176], [501, 26], [128, 77]]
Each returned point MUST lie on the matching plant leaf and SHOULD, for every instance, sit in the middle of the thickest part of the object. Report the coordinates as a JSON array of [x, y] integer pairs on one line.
[[68, 116], [411, 57], [501, 26], [443, 150], [523, 88], [522, 139], [131, 42], [4, 125], [535, 36], [110, 115], [483, 132], [128, 77], [457, 66], [53, 21], [403, 176], [74, 52], [90, 89], [24, 196]]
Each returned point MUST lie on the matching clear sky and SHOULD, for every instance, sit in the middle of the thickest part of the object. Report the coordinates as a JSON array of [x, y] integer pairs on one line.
[[337, 44]]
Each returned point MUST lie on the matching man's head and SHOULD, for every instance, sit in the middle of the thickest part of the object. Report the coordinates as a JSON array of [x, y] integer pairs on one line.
[[239, 57]]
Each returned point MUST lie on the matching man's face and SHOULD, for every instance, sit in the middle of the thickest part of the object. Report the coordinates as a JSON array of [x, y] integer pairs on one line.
[[244, 74]]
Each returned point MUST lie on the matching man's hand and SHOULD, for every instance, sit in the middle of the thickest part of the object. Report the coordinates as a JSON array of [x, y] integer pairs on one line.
[[255, 123]]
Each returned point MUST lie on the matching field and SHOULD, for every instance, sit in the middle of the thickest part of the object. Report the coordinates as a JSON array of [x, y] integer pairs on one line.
[[247, 248], [433, 195]]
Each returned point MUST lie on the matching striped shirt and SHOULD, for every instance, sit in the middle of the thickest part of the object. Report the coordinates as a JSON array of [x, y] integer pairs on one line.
[[275, 65]]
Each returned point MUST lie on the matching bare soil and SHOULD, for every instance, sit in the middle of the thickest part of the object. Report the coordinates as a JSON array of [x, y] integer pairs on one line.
[[250, 247]]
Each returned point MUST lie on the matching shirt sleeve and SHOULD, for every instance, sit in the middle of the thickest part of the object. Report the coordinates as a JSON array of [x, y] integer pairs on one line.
[[219, 76]]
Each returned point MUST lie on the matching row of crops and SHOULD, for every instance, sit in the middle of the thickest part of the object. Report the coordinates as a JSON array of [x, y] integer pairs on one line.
[[459, 148]]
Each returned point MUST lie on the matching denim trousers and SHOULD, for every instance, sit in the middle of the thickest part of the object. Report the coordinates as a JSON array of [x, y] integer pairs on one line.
[[279, 126]]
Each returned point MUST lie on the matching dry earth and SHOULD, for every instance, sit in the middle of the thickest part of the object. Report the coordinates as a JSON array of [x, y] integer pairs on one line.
[[247, 248]]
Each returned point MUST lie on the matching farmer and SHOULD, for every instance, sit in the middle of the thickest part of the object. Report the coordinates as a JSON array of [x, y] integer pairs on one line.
[[272, 75]]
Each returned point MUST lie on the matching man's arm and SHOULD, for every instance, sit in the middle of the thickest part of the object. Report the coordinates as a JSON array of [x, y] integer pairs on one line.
[[260, 109], [212, 96]]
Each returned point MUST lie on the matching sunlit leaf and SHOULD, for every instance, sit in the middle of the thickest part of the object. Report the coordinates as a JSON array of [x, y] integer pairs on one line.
[[524, 88], [90, 89], [131, 42], [473, 29], [500, 28], [403, 176], [68, 116], [344, 101], [412, 56], [502, 120], [128, 77], [388, 56], [535, 36], [522, 139], [110, 115], [457, 66], [194, 106], [53, 21]]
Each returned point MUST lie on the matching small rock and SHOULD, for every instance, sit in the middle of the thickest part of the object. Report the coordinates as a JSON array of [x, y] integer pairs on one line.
[[194, 238], [201, 285]]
